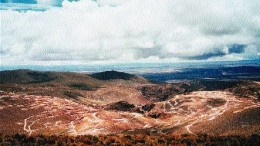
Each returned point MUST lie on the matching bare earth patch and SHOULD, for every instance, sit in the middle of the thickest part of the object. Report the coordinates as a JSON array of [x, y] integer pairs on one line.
[[185, 113]]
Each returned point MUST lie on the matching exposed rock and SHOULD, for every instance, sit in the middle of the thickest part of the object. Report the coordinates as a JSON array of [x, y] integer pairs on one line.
[[164, 91], [247, 89], [148, 107], [216, 102], [154, 115], [120, 106]]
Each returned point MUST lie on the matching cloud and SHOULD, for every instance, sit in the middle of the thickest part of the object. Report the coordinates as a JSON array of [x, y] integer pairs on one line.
[[48, 2], [132, 30]]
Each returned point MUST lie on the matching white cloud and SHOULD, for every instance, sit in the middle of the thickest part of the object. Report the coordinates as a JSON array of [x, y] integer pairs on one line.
[[131, 30], [47, 2], [110, 2]]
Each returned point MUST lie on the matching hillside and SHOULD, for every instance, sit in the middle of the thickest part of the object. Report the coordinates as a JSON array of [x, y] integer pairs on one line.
[[26, 76], [77, 86], [114, 102], [110, 75]]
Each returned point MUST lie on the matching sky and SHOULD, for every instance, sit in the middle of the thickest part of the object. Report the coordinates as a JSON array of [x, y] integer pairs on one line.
[[90, 31]]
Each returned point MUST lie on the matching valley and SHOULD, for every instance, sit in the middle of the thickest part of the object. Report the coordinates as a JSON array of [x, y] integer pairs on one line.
[[77, 104]]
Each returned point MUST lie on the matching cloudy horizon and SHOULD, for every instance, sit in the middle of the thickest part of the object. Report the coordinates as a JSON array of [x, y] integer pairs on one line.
[[85, 31]]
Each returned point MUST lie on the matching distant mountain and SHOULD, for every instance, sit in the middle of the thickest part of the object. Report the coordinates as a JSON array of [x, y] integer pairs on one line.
[[63, 84], [218, 73], [71, 84], [26, 76], [110, 75], [30, 76]]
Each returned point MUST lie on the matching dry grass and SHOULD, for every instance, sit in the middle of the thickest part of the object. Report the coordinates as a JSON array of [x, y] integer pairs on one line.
[[129, 140]]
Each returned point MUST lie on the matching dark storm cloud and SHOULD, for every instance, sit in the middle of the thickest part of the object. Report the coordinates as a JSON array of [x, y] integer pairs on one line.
[[207, 56], [236, 48]]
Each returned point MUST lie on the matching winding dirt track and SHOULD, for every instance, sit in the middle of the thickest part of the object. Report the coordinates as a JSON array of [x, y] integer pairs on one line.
[[195, 107], [46, 114]]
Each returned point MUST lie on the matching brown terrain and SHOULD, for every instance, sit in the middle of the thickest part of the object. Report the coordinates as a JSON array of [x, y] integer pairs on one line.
[[73, 104]]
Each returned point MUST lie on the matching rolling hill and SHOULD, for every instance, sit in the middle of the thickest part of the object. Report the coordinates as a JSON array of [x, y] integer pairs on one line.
[[66, 103]]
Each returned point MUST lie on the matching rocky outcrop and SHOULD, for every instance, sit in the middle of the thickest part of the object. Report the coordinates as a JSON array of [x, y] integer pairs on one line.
[[120, 106], [164, 91]]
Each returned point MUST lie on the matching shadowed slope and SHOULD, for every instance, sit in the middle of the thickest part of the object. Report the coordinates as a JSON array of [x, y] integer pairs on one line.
[[110, 75], [25, 76]]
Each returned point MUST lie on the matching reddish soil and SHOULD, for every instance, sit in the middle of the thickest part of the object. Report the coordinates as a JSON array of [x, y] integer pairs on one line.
[[213, 112]]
